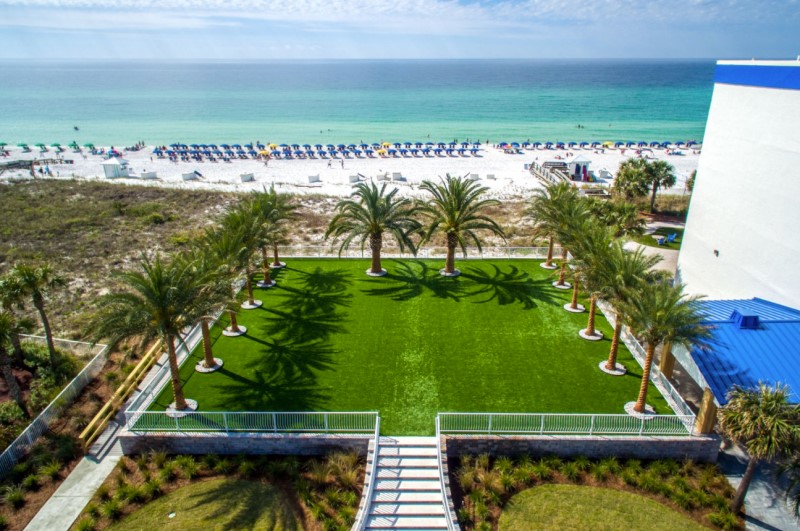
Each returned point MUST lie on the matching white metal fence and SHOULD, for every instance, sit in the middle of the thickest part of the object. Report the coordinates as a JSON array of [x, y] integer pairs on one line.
[[371, 477], [450, 519], [564, 424], [22, 444], [252, 421], [321, 251]]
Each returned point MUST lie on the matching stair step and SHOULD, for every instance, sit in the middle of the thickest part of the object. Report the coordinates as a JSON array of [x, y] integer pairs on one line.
[[407, 451], [408, 462], [407, 484], [407, 497], [408, 473], [406, 509], [408, 441], [406, 522]]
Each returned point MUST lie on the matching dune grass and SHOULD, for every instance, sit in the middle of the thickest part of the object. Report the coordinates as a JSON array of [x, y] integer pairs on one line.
[[216, 504], [411, 344], [583, 507]]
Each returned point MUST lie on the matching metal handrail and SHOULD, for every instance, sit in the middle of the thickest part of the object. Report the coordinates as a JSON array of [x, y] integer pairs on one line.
[[224, 421], [363, 512], [442, 485]]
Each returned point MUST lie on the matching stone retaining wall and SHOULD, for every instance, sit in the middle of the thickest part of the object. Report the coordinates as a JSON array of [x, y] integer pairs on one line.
[[244, 443], [701, 449]]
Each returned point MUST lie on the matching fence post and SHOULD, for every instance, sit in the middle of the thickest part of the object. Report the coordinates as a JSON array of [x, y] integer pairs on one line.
[[225, 420], [274, 423], [641, 427], [490, 423], [541, 426], [326, 422], [177, 424], [591, 427]]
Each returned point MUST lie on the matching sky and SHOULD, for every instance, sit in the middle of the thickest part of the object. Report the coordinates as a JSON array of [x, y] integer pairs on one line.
[[398, 29]]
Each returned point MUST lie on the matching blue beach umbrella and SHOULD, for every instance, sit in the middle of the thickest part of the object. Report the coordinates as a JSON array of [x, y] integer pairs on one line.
[[237, 146], [317, 146], [584, 144], [595, 144], [363, 146], [474, 151], [260, 145], [330, 146], [629, 144], [321, 153], [618, 144], [248, 146]]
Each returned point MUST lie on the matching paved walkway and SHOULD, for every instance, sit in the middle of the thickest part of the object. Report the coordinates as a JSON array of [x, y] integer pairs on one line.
[[765, 505]]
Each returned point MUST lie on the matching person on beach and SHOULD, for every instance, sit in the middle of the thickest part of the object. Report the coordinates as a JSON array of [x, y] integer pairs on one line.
[[329, 163], [342, 161]]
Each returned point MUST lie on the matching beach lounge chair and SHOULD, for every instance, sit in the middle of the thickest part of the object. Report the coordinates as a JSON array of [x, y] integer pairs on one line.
[[398, 177], [313, 179], [354, 179], [671, 237], [490, 176], [383, 177], [474, 177], [662, 241]]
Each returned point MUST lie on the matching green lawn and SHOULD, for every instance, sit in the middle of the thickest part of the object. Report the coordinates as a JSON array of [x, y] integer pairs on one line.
[[647, 239], [411, 344], [582, 507], [216, 504]]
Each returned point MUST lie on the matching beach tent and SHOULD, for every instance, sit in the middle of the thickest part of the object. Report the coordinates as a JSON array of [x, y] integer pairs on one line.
[[115, 167]]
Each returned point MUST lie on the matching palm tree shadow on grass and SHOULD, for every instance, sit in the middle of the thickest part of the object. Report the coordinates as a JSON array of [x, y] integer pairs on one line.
[[509, 287], [245, 500], [414, 278]]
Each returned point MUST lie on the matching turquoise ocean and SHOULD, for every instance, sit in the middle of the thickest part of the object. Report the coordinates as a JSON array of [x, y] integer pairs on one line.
[[120, 103]]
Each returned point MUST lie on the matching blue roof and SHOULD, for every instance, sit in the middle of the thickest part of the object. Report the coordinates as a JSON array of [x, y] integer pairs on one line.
[[767, 351]]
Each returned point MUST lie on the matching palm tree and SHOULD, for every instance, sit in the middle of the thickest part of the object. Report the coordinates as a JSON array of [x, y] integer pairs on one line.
[[227, 252], [36, 282], [661, 175], [632, 179], [157, 301], [545, 209], [662, 313], [764, 422], [592, 250], [367, 215], [244, 224], [623, 273], [279, 210], [455, 209], [7, 326], [572, 213], [11, 299]]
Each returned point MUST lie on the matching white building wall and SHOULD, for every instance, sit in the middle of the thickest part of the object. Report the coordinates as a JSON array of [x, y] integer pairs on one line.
[[742, 236]]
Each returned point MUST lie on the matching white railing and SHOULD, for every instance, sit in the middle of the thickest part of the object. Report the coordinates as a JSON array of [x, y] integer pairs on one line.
[[544, 174], [251, 421], [565, 424], [22, 444], [322, 251], [442, 484], [371, 473], [662, 383]]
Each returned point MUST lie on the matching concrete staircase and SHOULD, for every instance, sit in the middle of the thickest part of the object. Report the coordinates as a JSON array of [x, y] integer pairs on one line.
[[407, 492]]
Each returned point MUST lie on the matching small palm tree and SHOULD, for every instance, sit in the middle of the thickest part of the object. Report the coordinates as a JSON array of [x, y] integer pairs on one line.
[[661, 175], [367, 215], [572, 214], [624, 273], [632, 180], [592, 250], [7, 326], [244, 224], [455, 209], [662, 313], [12, 300], [36, 282], [545, 209], [765, 423], [227, 253], [157, 301], [279, 210]]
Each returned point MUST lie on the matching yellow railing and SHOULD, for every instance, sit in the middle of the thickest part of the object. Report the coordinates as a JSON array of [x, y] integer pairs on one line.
[[107, 412]]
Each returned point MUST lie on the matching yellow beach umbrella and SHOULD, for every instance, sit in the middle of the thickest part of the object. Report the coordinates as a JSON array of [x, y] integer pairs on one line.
[[263, 152], [273, 146], [381, 152], [387, 144], [608, 144]]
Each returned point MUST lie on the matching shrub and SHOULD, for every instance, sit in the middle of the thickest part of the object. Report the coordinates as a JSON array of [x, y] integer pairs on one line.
[[650, 482], [141, 462], [347, 514], [92, 509], [600, 472], [51, 469], [103, 493], [31, 482], [699, 497], [85, 524], [167, 473], [541, 471], [223, 466], [482, 461], [611, 464], [246, 468], [724, 519], [122, 466], [629, 478], [112, 509], [14, 496], [319, 472], [571, 471], [3, 521], [582, 462], [209, 461], [156, 218], [151, 489], [112, 377], [504, 465], [634, 465], [158, 458], [188, 466], [679, 484], [682, 499]]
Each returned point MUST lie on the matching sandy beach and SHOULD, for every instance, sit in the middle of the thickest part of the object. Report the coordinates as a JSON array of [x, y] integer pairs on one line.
[[511, 179]]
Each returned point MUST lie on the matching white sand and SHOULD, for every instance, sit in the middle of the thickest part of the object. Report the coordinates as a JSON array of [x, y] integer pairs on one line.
[[512, 180]]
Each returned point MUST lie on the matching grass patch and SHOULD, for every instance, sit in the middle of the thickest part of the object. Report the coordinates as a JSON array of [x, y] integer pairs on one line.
[[411, 344], [650, 241], [584, 507], [217, 504]]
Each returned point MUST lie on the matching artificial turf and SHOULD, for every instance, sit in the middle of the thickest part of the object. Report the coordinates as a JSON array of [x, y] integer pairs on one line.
[[411, 344]]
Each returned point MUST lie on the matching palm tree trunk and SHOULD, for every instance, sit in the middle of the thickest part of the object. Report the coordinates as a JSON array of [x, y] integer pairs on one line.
[[574, 303], [450, 263], [265, 266], [19, 354], [611, 364], [234, 324], [653, 196], [177, 389], [11, 381], [375, 244], [741, 492], [277, 261], [592, 311], [563, 273], [549, 261], [648, 363], [249, 285], [207, 351], [48, 334]]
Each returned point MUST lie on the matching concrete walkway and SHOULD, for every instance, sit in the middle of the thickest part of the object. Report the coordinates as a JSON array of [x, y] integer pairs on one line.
[[67, 503], [765, 505]]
